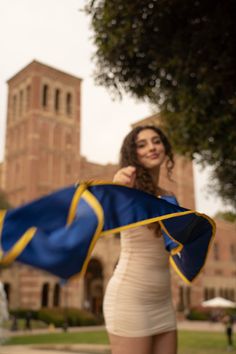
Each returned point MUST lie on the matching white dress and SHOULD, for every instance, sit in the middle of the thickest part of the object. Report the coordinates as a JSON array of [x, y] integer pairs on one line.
[[138, 296]]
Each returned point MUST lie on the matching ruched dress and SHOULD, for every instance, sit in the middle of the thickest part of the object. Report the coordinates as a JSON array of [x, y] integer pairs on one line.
[[138, 298]]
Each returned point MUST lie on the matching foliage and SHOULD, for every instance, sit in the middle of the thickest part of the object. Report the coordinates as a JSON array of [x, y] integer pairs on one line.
[[57, 316], [4, 204], [198, 315], [73, 317], [179, 55], [227, 215]]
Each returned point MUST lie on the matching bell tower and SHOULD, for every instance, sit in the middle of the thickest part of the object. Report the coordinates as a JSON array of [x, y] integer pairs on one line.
[[42, 151]]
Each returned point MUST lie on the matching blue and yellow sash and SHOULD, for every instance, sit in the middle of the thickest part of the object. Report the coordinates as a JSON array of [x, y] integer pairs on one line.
[[58, 232]]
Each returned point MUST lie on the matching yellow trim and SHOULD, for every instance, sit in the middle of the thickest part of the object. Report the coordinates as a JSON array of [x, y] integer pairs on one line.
[[145, 222], [2, 216], [176, 249], [18, 247], [97, 208], [179, 272], [75, 200], [174, 265]]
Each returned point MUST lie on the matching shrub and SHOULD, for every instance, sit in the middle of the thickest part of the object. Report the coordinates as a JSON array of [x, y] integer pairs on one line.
[[73, 317], [198, 315]]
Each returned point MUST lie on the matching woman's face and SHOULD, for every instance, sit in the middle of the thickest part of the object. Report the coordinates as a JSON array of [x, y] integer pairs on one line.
[[150, 149]]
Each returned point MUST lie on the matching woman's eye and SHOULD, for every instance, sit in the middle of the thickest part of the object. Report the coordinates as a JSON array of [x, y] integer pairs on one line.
[[157, 141], [141, 145]]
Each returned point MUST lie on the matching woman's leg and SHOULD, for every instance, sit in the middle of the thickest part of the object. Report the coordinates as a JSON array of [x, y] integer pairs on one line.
[[165, 343], [129, 345]]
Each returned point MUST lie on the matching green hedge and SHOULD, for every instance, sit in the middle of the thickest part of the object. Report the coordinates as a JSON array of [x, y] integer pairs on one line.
[[198, 315], [58, 316]]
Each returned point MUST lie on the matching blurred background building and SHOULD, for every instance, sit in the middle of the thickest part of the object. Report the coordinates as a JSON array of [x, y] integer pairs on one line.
[[42, 154]]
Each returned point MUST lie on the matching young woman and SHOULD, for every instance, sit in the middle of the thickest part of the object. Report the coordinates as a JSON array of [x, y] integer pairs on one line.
[[138, 309]]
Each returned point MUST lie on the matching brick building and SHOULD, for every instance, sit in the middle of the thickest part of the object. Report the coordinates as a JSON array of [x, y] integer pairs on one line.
[[42, 154]]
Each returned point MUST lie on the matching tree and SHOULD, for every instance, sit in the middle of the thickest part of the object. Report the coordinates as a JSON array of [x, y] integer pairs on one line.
[[227, 215], [180, 55]]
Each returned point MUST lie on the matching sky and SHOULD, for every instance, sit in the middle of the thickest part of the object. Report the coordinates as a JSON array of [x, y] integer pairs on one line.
[[57, 33]]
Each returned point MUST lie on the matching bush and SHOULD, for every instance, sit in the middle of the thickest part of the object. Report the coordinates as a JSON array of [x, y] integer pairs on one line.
[[22, 313], [198, 315], [73, 317], [58, 316]]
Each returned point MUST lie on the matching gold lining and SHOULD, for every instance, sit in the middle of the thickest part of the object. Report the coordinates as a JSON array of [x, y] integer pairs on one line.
[[18, 247]]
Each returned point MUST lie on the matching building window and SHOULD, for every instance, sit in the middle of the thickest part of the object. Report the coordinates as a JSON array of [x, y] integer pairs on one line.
[[57, 100], [45, 294], [68, 104], [45, 96], [7, 289], [28, 97], [232, 295], [21, 103], [216, 251], [56, 295], [14, 106], [209, 293]]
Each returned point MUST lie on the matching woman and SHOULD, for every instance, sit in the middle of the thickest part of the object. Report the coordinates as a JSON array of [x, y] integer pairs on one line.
[[138, 308]]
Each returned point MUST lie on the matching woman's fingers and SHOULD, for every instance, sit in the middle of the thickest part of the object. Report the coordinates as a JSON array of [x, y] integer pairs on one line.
[[126, 176]]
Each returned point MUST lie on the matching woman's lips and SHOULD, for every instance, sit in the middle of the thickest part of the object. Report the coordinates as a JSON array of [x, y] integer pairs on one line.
[[153, 156]]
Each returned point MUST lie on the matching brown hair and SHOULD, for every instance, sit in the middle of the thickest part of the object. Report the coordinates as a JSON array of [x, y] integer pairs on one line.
[[128, 156]]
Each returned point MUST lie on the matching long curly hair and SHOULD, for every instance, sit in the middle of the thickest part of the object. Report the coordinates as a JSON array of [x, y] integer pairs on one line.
[[128, 156]]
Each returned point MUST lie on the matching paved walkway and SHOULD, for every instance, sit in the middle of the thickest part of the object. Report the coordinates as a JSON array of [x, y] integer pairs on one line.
[[89, 348]]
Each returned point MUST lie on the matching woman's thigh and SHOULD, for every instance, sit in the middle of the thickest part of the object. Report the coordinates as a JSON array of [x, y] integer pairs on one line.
[[130, 345], [165, 343]]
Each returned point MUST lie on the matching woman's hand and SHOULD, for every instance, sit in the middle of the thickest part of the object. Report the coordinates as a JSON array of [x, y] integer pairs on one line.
[[126, 176]]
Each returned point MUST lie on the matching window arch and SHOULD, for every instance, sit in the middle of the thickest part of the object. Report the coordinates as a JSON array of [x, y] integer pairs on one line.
[[7, 289], [28, 97], [45, 95], [93, 286], [56, 295], [68, 103], [45, 295], [57, 98], [21, 103], [14, 106]]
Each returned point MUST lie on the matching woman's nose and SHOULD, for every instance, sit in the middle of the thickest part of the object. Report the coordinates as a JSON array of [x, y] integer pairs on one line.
[[151, 146]]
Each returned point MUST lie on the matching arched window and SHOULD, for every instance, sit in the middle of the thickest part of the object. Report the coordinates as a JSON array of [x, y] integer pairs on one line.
[[93, 286], [68, 103], [56, 295], [206, 295], [7, 289], [21, 103], [14, 106], [57, 100], [181, 299], [28, 97], [45, 96], [44, 296]]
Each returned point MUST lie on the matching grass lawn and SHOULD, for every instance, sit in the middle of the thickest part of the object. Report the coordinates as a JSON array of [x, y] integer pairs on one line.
[[189, 342]]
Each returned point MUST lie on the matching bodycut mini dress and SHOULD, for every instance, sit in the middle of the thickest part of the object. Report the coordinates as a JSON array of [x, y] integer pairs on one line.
[[138, 298]]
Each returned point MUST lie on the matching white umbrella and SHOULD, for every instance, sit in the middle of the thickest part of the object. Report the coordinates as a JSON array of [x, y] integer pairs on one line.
[[218, 302]]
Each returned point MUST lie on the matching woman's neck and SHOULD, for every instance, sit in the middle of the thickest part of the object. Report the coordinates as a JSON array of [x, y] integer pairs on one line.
[[155, 175]]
